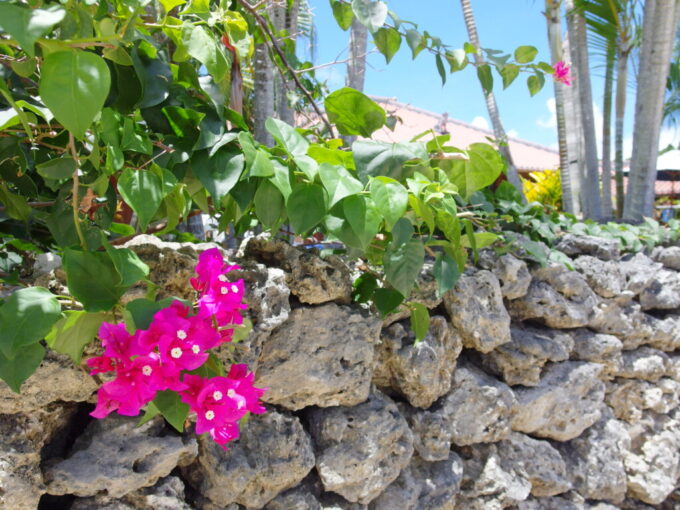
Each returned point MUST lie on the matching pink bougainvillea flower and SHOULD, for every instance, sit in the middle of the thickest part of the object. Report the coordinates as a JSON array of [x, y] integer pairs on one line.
[[118, 343], [562, 72], [210, 265], [225, 433]]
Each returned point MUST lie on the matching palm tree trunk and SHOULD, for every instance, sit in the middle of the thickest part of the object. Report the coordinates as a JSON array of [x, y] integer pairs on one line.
[[658, 35], [356, 66], [574, 136], [579, 46], [492, 108], [263, 93], [552, 14], [284, 18], [621, 91], [607, 131]]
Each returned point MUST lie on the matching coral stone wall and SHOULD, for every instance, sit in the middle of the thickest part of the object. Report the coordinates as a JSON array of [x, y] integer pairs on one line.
[[535, 388]]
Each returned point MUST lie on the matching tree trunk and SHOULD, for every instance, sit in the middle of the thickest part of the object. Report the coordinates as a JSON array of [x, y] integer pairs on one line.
[[658, 35], [263, 93], [552, 14], [607, 131], [356, 66], [284, 18], [621, 91], [492, 108], [574, 136], [579, 50]]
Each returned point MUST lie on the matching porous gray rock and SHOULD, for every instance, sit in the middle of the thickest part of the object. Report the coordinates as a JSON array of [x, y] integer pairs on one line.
[[579, 244], [562, 502], [630, 398], [644, 363], [116, 456], [513, 275], [423, 486], [273, 454], [321, 356], [166, 494], [663, 293], [56, 379], [564, 403], [521, 360], [598, 348], [557, 297], [476, 309], [605, 278], [653, 464], [360, 450], [478, 409], [301, 497], [312, 279], [595, 459], [638, 271], [422, 372], [669, 257], [425, 292], [667, 334]]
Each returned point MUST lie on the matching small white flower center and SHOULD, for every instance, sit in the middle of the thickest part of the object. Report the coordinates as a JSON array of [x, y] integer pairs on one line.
[[234, 288], [217, 395], [222, 278], [231, 393], [146, 370], [195, 348], [224, 290], [181, 334], [209, 415], [176, 353]]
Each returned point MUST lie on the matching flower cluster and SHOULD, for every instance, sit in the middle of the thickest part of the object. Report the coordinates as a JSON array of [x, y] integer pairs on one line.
[[562, 73], [177, 342]]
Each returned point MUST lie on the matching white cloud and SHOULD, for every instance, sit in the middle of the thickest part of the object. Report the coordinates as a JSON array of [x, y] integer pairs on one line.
[[513, 133], [480, 122], [551, 121]]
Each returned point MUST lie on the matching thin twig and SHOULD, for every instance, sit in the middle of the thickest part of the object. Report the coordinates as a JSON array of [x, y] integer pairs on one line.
[[277, 49], [76, 188], [33, 204], [334, 63]]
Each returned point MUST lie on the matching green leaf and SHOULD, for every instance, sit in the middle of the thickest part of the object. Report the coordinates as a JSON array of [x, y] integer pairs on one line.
[[390, 197], [440, 67], [481, 240], [57, 168], [25, 68], [457, 59], [363, 218], [403, 265], [339, 183], [387, 300], [269, 204], [25, 318], [154, 75], [446, 273], [388, 41], [535, 83], [415, 41], [420, 321], [482, 168], [364, 286], [16, 206], [342, 13], [402, 232], [281, 178], [127, 263], [142, 190], [525, 54], [15, 371], [354, 113], [74, 85], [92, 279], [485, 78], [172, 408], [28, 25], [306, 206], [201, 45], [287, 136], [139, 312], [150, 412], [262, 165], [72, 333], [308, 165], [370, 14], [382, 158], [509, 72], [219, 173]]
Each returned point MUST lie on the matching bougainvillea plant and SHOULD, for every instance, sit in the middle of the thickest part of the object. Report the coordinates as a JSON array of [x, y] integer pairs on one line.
[[168, 355]]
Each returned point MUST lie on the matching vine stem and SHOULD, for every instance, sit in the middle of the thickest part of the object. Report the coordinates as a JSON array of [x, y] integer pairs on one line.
[[76, 188], [277, 49]]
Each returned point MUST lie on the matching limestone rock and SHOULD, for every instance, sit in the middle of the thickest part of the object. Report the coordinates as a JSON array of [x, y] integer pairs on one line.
[[557, 297], [360, 450], [639, 271], [577, 244], [422, 373], [167, 494], [565, 402], [521, 360], [595, 459], [425, 292], [321, 356], [273, 454], [311, 278], [423, 486], [669, 257], [663, 293], [605, 278], [301, 497], [630, 398], [653, 465], [598, 348], [45, 263], [563, 502], [331, 501], [56, 379], [114, 455], [513, 275], [477, 409], [476, 309], [644, 363], [666, 337]]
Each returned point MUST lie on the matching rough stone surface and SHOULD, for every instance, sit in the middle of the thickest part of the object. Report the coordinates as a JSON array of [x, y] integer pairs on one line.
[[663, 293], [669, 257], [116, 456], [521, 360], [565, 402], [321, 356], [425, 292], [312, 279], [595, 459], [423, 486], [605, 278], [167, 494], [639, 271], [576, 244], [422, 372], [598, 348], [360, 450], [644, 363], [273, 454], [629, 398], [557, 297], [513, 275], [477, 409], [302, 497], [476, 309]]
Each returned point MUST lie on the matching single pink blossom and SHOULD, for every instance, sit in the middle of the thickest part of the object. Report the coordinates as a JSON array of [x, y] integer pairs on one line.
[[562, 72]]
